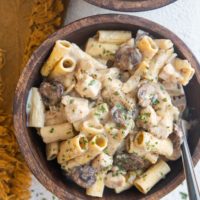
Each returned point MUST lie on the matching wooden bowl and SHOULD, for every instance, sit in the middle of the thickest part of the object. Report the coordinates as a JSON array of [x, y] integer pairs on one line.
[[130, 5], [32, 147]]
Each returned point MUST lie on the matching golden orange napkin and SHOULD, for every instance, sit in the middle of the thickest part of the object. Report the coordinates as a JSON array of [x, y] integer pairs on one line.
[[24, 25]]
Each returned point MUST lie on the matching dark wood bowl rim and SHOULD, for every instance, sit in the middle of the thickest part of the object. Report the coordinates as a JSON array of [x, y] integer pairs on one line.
[[128, 6], [19, 102]]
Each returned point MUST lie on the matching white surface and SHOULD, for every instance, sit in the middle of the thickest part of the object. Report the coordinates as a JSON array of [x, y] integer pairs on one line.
[[182, 17]]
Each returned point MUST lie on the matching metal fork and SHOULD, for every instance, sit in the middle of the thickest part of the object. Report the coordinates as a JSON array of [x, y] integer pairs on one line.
[[193, 189]]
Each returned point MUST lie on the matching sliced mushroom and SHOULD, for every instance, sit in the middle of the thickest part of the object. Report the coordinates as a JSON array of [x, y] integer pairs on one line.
[[120, 115], [176, 138], [130, 161], [127, 57], [51, 92], [146, 93], [84, 176]]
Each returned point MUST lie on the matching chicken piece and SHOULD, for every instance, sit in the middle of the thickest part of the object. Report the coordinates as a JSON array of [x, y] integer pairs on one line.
[[88, 87], [170, 74], [75, 108], [53, 117], [114, 180], [84, 176], [51, 92], [102, 161], [127, 57]]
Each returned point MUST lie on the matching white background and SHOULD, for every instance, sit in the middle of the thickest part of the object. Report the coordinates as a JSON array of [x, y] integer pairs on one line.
[[181, 17]]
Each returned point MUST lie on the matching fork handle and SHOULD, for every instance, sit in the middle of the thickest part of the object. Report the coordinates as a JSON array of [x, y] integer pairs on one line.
[[192, 184]]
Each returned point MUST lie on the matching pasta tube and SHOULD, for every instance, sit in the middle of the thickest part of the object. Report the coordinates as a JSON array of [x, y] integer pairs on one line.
[[105, 51], [147, 47], [72, 148], [65, 66], [158, 62], [96, 145], [113, 138], [35, 109], [61, 48], [185, 69], [132, 83], [56, 132], [132, 148], [52, 150], [92, 127], [152, 144], [164, 43], [115, 37], [152, 176], [96, 190], [64, 48]]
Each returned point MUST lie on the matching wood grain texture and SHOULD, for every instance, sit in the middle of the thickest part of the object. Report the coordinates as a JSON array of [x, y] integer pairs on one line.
[[130, 5], [49, 173]]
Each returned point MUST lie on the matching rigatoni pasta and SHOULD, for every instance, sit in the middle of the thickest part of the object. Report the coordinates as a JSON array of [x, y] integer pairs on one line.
[[35, 109], [106, 113], [154, 174], [65, 66], [72, 148], [60, 49], [116, 37], [104, 51], [56, 133], [152, 144], [52, 150], [96, 145]]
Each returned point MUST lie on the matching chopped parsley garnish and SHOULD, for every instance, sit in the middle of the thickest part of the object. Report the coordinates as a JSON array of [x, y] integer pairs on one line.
[[71, 101], [183, 195], [68, 133], [165, 100], [144, 116], [119, 106], [51, 130], [161, 87], [102, 108], [105, 151], [116, 93], [92, 82], [154, 101]]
